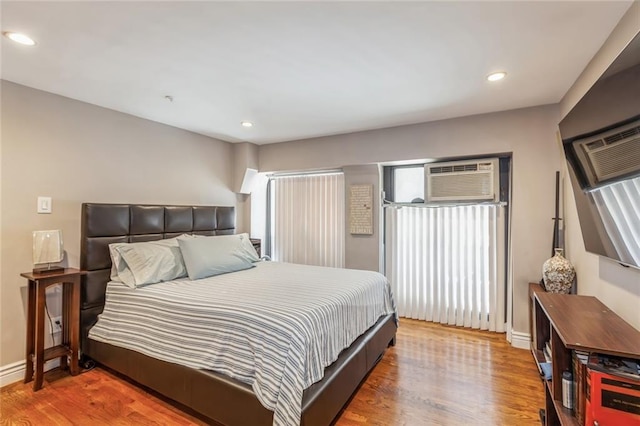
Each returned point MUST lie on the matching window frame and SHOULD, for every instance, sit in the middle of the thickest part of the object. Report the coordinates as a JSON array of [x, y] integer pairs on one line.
[[388, 181], [504, 176]]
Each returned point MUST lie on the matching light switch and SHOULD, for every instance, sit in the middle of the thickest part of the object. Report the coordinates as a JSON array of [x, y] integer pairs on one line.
[[44, 205]]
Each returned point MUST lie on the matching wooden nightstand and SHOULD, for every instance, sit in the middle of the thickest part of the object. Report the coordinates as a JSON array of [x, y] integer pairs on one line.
[[256, 245], [36, 353]]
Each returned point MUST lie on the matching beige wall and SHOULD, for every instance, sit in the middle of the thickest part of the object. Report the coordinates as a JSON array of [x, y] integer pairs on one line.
[[529, 134], [616, 286], [76, 152], [362, 251], [245, 155]]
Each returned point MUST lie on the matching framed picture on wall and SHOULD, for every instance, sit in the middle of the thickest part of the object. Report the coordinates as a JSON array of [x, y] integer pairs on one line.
[[361, 209]]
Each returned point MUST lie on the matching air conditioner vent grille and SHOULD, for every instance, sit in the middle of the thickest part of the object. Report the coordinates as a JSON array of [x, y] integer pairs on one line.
[[455, 168], [610, 155], [474, 186], [462, 181], [622, 135], [617, 159], [612, 139], [596, 144]]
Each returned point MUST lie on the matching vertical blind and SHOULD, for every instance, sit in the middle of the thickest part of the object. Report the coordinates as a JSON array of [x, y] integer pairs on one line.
[[619, 207], [308, 219], [446, 264]]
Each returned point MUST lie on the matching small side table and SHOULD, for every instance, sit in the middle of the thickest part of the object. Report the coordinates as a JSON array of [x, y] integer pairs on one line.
[[36, 353]]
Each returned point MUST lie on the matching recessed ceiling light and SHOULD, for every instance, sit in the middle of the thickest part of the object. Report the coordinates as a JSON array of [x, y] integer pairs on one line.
[[246, 124], [496, 76], [19, 38]]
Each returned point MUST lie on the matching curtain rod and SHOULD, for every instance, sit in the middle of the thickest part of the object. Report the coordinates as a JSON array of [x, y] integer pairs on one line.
[[388, 204]]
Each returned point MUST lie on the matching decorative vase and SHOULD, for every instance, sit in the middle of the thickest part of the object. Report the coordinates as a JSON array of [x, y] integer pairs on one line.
[[558, 273]]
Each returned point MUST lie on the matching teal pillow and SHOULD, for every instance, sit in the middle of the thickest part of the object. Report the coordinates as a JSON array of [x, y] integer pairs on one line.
[[209, 256], [136, 264], [246, 247]]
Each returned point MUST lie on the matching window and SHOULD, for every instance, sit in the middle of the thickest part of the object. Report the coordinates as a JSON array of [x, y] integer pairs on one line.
[[408, 184], [307, 219], [446, 262], [404, 184]]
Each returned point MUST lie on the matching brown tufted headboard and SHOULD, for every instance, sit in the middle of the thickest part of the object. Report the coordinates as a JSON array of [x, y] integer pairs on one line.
[[103, 224]]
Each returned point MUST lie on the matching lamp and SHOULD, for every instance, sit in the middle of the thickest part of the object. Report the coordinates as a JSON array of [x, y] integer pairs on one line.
[[47, 248], [248, 181]]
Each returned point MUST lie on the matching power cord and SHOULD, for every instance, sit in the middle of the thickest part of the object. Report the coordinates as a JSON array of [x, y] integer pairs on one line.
[[88, 364], [46, 309]]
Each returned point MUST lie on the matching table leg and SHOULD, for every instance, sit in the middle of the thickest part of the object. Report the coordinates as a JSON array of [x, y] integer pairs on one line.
[[65, 323], [74, 324], [31, 308], [39, 340]]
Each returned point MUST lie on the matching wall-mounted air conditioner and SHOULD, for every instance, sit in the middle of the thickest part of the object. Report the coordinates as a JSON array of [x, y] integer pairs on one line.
[[468, 180], [610, 155]]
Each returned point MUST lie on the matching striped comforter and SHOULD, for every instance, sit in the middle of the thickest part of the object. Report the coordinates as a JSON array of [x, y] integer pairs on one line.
[[275, 327]]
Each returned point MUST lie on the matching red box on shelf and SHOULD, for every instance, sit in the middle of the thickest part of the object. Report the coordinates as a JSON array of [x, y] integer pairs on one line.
[[612, 400]]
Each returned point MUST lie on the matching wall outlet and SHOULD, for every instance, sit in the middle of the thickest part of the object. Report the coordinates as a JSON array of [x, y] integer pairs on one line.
[[56, 324]]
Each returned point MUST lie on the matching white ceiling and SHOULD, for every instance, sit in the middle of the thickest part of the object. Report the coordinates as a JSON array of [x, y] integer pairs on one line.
[[304, 69]]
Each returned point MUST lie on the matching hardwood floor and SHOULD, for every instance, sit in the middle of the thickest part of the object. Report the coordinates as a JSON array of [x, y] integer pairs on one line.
[[435, 375], [438, 375]]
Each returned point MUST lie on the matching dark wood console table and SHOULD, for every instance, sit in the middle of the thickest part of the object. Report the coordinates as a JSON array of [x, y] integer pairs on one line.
[[574, 322]]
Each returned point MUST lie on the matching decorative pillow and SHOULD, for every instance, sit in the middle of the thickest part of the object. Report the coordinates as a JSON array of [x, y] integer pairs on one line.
[[136, 264], [209, 256], [246, 247], [118, 266]]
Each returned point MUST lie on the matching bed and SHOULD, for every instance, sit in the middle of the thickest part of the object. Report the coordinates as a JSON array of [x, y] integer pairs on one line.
[[217, 396]]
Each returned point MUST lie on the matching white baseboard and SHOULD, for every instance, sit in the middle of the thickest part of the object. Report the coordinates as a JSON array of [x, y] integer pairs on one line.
[[520, 340], [15, 372], [11, 373]]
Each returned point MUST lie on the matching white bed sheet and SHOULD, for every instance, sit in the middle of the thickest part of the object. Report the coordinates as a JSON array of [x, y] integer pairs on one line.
[[275, 327]]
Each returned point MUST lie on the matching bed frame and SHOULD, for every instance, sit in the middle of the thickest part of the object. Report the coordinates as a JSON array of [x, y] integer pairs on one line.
[[219, 398]]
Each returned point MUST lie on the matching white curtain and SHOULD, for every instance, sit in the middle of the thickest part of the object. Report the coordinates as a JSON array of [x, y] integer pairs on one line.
[[619, 207], [447, 264], [308, 219]]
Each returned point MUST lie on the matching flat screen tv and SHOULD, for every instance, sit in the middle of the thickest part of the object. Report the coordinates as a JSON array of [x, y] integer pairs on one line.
[[601, 141]]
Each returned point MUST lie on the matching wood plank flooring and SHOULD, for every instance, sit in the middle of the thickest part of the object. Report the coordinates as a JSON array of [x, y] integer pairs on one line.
[[435, 375]]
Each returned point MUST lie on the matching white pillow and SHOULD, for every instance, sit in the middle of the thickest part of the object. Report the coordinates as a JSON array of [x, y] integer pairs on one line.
[[246, 247], [149, 262], [118, 266], [209, 256]]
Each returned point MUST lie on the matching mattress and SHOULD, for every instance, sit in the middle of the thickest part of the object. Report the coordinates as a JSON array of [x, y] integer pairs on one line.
[[275, 327]]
